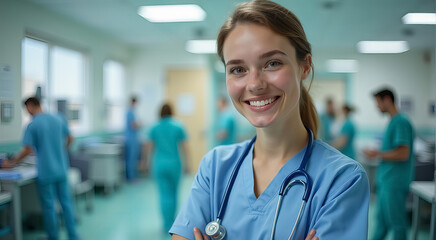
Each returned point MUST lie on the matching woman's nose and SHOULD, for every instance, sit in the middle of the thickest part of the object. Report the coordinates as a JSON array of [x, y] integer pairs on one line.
[[256, 83]]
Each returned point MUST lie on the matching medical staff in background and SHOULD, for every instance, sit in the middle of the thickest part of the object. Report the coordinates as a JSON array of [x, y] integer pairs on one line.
[[226, 133], [48, 137], [395, 170], [132, 143], [267, 57], [168, 148], [327, 119], [345, 141]]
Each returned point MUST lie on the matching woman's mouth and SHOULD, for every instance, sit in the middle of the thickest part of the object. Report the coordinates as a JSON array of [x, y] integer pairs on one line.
[[262, 103]]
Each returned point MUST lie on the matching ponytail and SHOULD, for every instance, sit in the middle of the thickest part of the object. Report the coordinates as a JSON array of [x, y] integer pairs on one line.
[[308, 113]]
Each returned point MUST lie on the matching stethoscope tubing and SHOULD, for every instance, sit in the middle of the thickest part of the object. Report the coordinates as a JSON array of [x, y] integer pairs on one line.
[[232, 181], [288, 182]]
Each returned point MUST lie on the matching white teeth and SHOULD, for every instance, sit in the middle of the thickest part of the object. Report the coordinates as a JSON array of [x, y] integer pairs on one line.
[[261, 103]]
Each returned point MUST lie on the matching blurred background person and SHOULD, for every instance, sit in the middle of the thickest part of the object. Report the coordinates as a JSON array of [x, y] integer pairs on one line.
[[345, 141], [132, 143], [49, 137], [327, 119], [226, 124], [395, 170], [167, 144]]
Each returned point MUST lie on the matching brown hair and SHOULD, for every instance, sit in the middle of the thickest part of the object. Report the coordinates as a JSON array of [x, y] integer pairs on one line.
[[32, 101], [284, 22], [166, 110]]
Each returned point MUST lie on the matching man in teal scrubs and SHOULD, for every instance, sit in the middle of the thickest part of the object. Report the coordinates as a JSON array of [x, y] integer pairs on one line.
[[132, 143], [226, 129], [395, 170], [48, 136]]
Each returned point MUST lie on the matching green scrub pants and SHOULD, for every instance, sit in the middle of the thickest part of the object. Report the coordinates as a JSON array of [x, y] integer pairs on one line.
[[167, 179], [391, 212]]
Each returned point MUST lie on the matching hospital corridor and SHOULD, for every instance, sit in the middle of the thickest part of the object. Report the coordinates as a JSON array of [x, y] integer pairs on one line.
[[230, 119]]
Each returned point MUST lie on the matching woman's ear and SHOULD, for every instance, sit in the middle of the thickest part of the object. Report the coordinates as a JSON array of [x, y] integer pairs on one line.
[[306, 66]]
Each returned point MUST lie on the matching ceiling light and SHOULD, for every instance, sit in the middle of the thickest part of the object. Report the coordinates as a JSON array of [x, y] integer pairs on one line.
[[419, 18], [172, 13], [201, 46], [342, 65], [382, 46]]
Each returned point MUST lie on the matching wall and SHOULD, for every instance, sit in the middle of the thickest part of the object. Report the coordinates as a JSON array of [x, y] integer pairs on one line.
[[18, 18], [148, 78]]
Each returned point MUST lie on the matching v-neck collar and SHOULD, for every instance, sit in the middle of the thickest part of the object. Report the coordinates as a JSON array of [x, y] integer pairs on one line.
[[272, 190]]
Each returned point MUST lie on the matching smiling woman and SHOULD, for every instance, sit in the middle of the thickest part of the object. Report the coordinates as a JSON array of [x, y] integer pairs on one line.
[[267, 57]]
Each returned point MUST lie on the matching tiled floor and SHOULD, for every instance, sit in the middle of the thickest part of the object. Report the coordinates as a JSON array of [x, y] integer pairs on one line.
[[132, 213]]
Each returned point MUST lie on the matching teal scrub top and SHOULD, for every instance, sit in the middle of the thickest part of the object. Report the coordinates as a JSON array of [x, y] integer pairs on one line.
[[227, 123], [166, 135], [348, 130], [325, 130], [47, 135], [131, 133], [337, 207], [397, 173]]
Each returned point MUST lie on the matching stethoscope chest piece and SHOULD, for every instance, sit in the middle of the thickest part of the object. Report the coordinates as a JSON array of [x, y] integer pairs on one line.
[[215, 230]]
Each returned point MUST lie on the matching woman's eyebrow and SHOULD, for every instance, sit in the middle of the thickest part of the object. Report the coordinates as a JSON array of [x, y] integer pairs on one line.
[[234, 61], [271, 53], [265, 55]]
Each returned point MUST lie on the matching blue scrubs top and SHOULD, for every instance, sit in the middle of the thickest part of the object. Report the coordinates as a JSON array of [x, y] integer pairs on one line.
[[227, 123], [131, 133], [166, 135], [348, 130], [47, 135], [337, 207], [397, 173]]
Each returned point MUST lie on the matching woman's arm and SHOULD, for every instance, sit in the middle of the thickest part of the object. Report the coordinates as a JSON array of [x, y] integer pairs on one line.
[[199, 236]]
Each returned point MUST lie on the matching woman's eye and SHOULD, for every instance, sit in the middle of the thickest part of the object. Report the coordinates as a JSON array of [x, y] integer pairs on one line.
[[273, 64], [236, 70]]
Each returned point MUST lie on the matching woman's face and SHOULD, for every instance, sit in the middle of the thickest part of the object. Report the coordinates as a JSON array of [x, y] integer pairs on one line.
[[263, 75]]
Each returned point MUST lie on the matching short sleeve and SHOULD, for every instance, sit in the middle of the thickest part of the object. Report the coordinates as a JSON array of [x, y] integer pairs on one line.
[[196, 209], [28, 139], [152, 134], [182, 133], [346, 129], [64, 122], [344, 215], [402, 134]]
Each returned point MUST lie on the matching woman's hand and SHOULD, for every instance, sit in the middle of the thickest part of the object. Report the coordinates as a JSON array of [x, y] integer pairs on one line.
[[310, 236], [199, 236]]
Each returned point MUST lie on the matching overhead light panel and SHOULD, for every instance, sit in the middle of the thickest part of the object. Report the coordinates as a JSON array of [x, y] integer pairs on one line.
[[419, 18], [172, 13], [342, 65], [201, 46], [382, 46]]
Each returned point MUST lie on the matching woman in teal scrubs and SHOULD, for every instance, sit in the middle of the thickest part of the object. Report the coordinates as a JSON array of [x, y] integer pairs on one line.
[[167, 137], [345, 141]]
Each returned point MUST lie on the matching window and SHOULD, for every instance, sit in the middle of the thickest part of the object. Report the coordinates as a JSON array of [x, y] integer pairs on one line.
[[58, 76], [114, 92], [34, 72]]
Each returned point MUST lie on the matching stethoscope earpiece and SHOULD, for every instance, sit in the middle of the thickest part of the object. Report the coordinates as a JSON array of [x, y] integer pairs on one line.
[[215, 230]]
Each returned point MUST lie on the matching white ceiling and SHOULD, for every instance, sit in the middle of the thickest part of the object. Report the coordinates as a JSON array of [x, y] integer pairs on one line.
[[339, 26]]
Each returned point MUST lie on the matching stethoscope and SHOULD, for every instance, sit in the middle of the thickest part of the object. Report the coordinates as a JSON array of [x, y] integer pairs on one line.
[[217, 231]]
